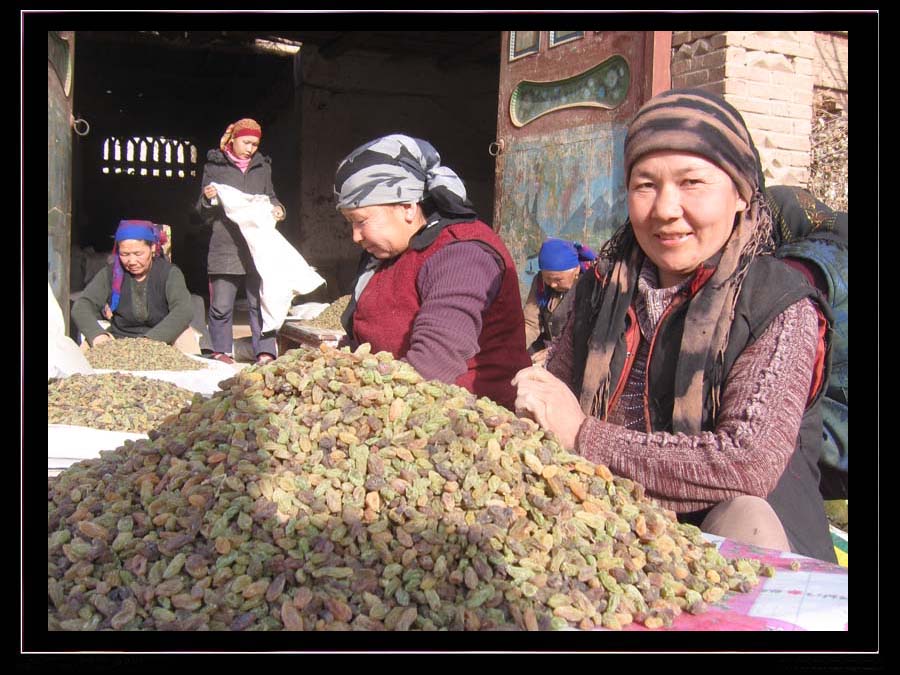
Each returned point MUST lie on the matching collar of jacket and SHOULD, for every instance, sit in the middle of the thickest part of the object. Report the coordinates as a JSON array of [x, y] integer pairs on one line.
[[216, 156], [432, 228]]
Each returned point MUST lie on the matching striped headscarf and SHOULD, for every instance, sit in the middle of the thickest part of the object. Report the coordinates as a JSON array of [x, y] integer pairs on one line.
[[398, 169], [694, 121], [139, 230]]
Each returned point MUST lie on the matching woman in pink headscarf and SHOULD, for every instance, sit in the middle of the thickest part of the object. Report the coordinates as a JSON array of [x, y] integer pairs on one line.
[[236, 163]]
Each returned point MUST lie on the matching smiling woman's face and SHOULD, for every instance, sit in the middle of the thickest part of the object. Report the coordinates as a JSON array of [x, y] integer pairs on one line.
[[682, 208]]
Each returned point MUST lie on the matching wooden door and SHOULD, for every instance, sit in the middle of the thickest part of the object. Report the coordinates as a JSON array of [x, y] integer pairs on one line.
[[566, 98], [60, 64]]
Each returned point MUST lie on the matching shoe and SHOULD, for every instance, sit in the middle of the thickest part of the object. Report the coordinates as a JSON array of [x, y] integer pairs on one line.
[[224, 358], [263, 359]]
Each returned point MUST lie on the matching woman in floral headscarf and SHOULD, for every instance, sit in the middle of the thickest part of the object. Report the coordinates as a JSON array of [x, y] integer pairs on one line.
[[693, 362], [229, 264], [436, 286], [140, 293]]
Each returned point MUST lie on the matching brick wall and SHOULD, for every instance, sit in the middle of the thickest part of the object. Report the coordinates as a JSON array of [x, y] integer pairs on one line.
[[831, 69], [769, 76]]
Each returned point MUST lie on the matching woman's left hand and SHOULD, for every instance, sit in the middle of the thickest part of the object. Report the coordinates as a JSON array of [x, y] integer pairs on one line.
[[278, 212], [550, 403]]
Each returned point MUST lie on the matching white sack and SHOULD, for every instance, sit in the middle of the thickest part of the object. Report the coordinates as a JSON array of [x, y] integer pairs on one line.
[[64, 357], [283, 270]]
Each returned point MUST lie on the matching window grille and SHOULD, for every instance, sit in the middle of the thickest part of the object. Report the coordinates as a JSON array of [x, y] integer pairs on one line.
[[146, 156]]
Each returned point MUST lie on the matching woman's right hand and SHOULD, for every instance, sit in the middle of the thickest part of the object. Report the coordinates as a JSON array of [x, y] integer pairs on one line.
[[210, 191], [539, 358], [550, 403], [100, 339]]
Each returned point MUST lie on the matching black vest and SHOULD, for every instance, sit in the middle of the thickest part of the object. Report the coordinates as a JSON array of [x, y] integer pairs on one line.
[[769, 288], [124, 323]]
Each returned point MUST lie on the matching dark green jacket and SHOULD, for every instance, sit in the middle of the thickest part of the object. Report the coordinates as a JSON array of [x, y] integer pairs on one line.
[[158, 308], [228, 250]]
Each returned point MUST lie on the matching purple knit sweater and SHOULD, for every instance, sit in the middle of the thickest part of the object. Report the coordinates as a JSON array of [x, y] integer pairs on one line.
[[763, 401], [456, 285]]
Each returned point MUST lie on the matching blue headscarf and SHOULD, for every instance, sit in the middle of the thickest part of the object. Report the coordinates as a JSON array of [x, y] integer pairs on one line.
[[141, 230], [559, 255]]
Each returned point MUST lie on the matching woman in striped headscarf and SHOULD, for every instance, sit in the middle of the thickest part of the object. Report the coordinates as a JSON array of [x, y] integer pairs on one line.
[[140, 293], [436, 286], [693, 362]]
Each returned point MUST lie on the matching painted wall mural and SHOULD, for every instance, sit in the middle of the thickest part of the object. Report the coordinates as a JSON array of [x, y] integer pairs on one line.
[[569, 185], [603, 86]]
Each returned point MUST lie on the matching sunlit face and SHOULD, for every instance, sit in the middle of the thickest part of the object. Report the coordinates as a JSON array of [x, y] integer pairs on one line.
[[244, 147], [136, 257], [682, 208], [384, 230], [560, 281]]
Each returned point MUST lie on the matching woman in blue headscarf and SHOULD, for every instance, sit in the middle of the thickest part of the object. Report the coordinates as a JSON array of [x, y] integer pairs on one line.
[[140, 293], [546, 307]]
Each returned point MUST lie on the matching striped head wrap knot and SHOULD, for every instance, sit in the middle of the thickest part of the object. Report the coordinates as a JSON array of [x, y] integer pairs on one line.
[[399, 169]]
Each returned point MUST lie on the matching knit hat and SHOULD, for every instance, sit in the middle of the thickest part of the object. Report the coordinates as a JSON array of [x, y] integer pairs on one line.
[[692, 121]]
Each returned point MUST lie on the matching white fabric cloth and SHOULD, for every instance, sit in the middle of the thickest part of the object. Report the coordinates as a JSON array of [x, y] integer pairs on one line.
[[282, 270], [64, 358], [308, 310], [204, 381], [68, 444]]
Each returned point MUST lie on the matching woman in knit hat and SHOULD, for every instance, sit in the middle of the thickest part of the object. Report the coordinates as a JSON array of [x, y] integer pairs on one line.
[[140, 293], [549, 301], [229, 264], [436, 286], [693, 362]]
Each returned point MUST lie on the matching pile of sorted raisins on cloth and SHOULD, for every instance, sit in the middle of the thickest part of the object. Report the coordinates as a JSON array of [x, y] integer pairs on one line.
[[139, 354], [331, 490], [114, 401], [331, 315]]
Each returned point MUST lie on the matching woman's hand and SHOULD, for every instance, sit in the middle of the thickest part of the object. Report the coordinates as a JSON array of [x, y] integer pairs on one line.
[[550, 403], [278, 212], [210, 191], [100, 339], [539, 358]]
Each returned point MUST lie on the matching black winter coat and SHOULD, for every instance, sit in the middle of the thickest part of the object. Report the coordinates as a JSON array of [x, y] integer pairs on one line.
[[228, 251]]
